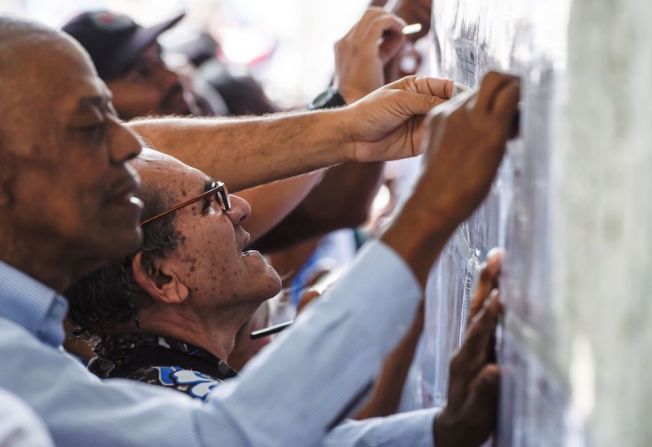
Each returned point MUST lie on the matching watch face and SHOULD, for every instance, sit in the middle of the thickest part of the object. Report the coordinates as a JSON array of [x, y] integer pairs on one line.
[[322, 98], [328, 98]]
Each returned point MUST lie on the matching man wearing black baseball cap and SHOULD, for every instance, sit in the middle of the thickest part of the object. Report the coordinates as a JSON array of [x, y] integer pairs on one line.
[[127, 57]]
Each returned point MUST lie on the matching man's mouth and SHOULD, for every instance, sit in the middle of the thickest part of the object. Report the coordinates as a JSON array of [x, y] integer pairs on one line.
[[124, 191], [243, 238]]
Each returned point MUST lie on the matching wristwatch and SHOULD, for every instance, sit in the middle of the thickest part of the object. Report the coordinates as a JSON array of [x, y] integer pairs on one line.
[[328, 98]]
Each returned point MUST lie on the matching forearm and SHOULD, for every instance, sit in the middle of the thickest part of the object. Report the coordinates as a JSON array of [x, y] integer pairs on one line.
[[272, 202], [342, 199], [250, 151], [420, 231]]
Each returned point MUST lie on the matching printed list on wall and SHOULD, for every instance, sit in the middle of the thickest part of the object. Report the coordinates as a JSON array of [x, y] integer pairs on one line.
[[527, 38]]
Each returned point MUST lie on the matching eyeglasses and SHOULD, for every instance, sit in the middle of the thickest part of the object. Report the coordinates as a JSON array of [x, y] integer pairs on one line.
[[217, 188]]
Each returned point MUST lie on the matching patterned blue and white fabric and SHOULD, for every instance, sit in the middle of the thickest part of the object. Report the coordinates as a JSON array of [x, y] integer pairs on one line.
[[162, 361]]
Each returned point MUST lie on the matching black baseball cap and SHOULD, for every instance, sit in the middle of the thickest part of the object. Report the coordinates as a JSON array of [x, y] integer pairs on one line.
[[114, 40]]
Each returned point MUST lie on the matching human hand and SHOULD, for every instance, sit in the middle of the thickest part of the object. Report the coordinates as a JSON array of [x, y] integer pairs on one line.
[[470, 415], [464, 147], [363, 52], [387, 124]]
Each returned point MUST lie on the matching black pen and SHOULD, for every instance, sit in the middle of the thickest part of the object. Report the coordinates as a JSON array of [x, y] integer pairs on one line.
[[270, 330]]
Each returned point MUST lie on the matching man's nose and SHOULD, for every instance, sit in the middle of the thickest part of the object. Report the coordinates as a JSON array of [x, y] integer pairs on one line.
[[124, 144], [240, 210]]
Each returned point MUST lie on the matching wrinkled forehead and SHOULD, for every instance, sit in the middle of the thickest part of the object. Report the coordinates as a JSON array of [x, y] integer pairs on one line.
[[166, 173]]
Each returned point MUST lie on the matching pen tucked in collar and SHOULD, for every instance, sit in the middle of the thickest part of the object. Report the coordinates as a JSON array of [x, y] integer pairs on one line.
[[32, 305]]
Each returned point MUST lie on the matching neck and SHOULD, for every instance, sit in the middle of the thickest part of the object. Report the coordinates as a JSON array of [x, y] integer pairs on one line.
[[41, 261], [212, 330]]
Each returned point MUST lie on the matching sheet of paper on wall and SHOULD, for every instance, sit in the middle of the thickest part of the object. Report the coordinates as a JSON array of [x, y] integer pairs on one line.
[[534, 401], [527, 38]]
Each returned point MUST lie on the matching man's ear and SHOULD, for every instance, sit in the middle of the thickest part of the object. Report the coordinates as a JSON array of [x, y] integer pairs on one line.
[[162, 285]]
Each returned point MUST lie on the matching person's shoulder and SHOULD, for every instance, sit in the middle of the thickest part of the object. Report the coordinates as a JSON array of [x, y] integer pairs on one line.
[[14, 333], [19, 424]]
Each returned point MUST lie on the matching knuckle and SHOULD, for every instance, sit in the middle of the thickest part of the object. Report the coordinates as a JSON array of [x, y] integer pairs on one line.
[[411, 78]]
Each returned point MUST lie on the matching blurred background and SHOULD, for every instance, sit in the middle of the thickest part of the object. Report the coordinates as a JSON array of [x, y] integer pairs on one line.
[[285, 44]]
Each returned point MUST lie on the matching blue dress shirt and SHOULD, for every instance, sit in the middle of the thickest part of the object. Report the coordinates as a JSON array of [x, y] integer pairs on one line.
[[291, 394], [19, 426]]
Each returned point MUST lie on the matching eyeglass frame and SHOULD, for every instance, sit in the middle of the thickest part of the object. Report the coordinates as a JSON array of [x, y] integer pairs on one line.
[[221, 195]]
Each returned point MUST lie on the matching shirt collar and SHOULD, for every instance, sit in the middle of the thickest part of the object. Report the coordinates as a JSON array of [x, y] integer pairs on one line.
[[126, 350], [32, 305]]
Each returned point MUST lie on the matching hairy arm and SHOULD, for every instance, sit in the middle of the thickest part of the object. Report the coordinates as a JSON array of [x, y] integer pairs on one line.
[[246, 152], [384, 125]]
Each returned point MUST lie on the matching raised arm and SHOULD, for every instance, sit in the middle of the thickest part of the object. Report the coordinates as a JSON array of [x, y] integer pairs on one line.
[[247, 152]]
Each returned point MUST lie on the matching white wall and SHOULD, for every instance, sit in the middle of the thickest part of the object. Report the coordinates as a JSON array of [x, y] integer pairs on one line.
[[603, 260], [574, 201]]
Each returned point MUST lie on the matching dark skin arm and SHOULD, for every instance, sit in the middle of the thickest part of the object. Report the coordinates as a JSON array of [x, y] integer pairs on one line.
[[342, 199]]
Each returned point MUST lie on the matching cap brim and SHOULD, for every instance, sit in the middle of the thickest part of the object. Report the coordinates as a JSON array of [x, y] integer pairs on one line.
[[142, 39]]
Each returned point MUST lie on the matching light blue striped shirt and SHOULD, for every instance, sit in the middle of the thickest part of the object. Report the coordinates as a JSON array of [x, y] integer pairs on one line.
[[289, 395]]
